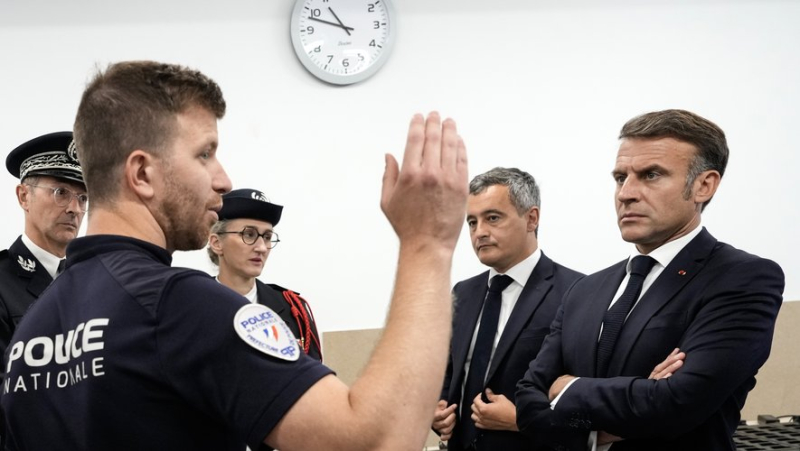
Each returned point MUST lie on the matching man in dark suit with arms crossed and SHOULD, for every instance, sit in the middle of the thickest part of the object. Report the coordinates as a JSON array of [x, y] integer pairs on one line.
[[503, 220], [716, 303]]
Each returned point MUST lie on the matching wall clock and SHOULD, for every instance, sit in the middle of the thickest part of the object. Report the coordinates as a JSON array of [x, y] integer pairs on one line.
[[343, 41]]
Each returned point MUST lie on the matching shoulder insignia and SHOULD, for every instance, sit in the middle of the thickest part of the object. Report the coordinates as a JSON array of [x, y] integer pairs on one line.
[[263, 329]]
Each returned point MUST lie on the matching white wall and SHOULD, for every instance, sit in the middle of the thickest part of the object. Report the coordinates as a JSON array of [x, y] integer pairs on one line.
[[542, 85]]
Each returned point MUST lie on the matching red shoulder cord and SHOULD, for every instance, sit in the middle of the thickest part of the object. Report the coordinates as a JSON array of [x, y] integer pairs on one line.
[[300, 312]]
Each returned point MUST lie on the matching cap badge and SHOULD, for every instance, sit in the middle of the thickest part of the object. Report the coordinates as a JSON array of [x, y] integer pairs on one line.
[[261, 328], [28, 265], [259, 196], [72, 151]]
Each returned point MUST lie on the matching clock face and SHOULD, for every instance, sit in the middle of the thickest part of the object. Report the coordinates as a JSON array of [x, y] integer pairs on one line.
[[342, 41]]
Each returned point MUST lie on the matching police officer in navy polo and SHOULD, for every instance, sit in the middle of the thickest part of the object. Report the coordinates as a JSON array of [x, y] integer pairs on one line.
[[240, 243], [53, 197], [125, 352]]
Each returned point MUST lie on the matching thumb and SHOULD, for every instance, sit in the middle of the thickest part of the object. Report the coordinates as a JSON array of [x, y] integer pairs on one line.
[[490, 394], [390, 175]]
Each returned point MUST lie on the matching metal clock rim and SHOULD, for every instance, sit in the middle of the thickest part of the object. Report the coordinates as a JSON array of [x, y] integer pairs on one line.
[[342, 80]]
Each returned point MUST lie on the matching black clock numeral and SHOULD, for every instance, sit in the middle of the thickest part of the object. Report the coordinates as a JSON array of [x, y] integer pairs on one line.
[[310, 29], [317, 49], [330, 58], [316, 12], [360, 57], [372, 43], [370, 7], [376, 24], [345, 62]]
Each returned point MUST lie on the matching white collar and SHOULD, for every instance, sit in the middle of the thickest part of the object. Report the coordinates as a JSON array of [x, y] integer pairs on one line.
[[251, 295], [48, 260], [522, 270], [667, 251]]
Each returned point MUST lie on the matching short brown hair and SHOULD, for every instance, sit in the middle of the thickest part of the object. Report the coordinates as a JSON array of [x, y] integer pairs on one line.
[[134, 105], [704, 135]]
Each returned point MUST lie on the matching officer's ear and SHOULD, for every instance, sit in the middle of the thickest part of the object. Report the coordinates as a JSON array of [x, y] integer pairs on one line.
[[140, 173], [23, 195], [215, 244]]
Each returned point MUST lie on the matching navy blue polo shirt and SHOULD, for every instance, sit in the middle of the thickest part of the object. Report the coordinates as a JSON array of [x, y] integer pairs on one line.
[[123, 351]]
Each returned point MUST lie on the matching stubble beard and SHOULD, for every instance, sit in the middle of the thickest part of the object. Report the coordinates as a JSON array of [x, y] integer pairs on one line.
[[183, 230]]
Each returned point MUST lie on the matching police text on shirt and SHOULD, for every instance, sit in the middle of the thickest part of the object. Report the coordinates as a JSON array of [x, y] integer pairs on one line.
[[65, 351]]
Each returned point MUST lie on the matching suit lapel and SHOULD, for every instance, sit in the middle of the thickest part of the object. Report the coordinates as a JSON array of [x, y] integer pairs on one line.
[[469, 301], [682, 269], [532, 295]]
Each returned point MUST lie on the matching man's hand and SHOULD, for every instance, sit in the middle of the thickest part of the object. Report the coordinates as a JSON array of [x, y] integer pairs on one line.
[[444, 420], [426, 201], [559, 385], [604, 438], [499, 414], [668, 367], [663, 370]]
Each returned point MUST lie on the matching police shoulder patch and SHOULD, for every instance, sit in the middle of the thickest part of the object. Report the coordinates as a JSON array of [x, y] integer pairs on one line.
[[264, 330]]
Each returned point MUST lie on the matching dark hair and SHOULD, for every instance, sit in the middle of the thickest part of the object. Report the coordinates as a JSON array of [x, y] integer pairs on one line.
[[134, 105], [707, 138]]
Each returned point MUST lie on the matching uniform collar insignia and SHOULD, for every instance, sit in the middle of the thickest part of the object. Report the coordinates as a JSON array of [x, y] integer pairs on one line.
[[28, 265]]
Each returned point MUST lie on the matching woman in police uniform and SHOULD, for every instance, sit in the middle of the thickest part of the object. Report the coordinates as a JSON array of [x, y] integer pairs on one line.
[[239, 243]]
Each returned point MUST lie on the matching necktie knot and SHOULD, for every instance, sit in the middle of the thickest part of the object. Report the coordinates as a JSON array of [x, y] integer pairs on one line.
[[499, 283], [642, 264]]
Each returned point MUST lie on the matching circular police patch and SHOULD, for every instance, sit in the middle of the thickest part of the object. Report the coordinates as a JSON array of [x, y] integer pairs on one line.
[[264, 330]]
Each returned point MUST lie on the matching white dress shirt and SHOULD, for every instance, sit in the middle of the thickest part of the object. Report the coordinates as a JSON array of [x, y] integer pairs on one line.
[[520, 273], [48, 260]]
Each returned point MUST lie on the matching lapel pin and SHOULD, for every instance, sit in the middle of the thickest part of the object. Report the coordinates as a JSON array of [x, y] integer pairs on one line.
[[681, 272]]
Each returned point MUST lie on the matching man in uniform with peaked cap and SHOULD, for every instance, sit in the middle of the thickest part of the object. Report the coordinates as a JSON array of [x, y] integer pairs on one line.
[[53, 196], [241, 259]]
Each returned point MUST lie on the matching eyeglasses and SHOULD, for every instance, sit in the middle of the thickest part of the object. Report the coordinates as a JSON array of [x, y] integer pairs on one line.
[[250, 235], [64, 196]]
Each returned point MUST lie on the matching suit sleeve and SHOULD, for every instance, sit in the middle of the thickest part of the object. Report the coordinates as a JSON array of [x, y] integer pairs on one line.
[[534, 416], [726, 343]]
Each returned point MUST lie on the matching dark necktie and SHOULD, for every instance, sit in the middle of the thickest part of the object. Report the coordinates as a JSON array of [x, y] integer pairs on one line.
[[615, 316], [61, 265], [481, 353]]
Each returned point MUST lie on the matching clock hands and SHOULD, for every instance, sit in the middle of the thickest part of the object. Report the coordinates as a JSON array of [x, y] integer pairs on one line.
[[330, 23], [340, 22]]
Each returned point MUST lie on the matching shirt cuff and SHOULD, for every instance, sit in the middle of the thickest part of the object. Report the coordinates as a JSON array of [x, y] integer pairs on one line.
[[566, 387]]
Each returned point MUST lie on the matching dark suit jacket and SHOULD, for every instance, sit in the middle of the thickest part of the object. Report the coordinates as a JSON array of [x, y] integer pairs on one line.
[[522, 337], [714, 302], [272, 297], [22, 280]]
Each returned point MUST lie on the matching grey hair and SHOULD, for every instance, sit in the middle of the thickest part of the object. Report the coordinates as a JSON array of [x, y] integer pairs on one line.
[[218, 226], [523, 192]]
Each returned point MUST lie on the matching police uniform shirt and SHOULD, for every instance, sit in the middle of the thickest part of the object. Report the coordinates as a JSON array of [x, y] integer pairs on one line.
[[125, 352]]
